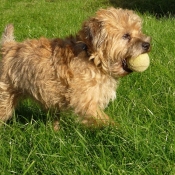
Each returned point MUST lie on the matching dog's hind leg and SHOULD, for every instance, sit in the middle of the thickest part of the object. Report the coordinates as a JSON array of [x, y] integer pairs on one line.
[[7, 103]]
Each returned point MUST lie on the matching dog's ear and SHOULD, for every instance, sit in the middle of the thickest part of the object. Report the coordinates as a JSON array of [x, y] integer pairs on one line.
[[91, 28], [90, 32]]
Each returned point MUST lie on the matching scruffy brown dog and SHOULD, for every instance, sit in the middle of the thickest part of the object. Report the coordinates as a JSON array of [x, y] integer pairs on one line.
[[80, 72]]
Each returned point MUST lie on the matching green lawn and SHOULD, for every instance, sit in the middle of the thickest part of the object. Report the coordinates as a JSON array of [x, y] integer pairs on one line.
[[145, 105]]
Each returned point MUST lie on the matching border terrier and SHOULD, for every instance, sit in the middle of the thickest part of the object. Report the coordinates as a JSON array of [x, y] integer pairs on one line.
[[79, 72]]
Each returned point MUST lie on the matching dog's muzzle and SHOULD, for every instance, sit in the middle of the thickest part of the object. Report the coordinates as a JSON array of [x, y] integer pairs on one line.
[[146, 46]]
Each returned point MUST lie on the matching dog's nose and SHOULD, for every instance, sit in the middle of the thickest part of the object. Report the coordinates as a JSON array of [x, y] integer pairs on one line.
[[145, 46]]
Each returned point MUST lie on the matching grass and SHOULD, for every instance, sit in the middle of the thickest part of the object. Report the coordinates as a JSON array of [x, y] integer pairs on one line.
[[159, 8], [145, 106]]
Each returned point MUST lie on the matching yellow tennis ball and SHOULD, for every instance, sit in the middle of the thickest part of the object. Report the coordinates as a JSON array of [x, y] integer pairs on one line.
[[140, 63]]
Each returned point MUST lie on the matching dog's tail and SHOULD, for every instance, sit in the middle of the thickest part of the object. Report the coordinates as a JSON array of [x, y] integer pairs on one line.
[[8, 35]]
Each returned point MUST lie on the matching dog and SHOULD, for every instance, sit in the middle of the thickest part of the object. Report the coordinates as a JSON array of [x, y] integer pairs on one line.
[[79, 72]]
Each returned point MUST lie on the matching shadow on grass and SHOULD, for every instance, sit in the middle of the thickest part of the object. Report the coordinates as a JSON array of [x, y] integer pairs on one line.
[[28, 112], [158, 8]]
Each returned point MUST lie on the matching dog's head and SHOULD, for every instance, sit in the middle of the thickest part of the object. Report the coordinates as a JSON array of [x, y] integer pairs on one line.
[[112, 37]]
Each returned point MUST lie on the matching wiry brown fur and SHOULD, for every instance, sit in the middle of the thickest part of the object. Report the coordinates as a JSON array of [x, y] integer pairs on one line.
[[64, 74]]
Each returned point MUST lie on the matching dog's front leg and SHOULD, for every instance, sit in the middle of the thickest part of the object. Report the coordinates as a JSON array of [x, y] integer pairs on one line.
[[95, 117]]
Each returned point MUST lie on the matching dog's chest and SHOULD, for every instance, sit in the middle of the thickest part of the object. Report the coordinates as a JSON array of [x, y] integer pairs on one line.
[[107, 92]]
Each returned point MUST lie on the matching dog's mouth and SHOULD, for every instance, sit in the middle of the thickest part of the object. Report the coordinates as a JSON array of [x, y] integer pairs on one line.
[[125, 66]]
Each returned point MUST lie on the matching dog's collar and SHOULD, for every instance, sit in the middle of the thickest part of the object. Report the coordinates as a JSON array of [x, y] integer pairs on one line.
[[84, 47]]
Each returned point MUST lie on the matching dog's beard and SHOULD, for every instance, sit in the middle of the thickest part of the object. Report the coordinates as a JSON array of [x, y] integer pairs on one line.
[[118, 69]]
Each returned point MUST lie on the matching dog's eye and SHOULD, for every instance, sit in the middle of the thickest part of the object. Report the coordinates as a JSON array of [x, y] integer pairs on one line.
[[126, 36]]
